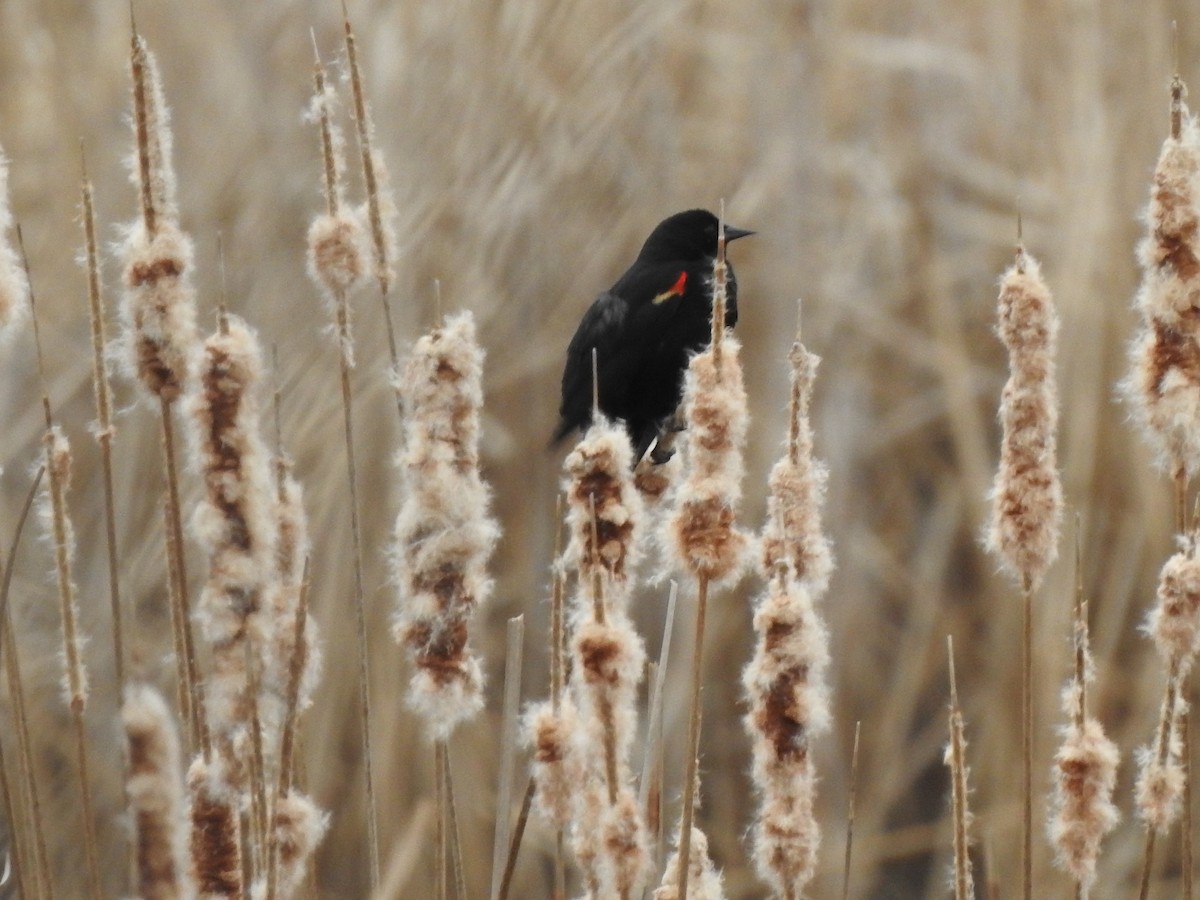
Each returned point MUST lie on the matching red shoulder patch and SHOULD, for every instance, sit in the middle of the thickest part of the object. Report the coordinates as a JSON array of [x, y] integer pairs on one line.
[[675, 290]]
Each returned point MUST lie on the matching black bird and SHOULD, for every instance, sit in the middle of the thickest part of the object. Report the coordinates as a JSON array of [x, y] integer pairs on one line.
[[645, 327]]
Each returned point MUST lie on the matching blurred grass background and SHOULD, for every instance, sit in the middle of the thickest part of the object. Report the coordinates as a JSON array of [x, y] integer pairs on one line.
[[880, 150]]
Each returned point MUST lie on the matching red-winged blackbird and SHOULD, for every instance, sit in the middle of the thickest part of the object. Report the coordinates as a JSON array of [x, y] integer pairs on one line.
[[645, 327]]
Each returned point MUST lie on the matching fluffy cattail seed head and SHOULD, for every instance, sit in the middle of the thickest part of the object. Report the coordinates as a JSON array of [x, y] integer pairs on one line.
[[1027, 494]]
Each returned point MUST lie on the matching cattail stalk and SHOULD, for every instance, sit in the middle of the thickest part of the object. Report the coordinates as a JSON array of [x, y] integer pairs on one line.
[[605, 517], [40, 867], [159, 319], [103, 430], [1163, 387], [154, 787], [964, 885], [75, 682], [702, 533], [12, 667], [19, 852], [513, 658], [443, 534], [336, 264], [850, 811], [381, 209]]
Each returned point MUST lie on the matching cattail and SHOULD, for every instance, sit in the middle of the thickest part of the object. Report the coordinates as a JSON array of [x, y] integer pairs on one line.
[[282, 610], [789, 705], [550, 733], [785, 680], [299, 827], [604, 511], [1085, 767], [704, 878], [337, 256], [704, 538], [793, 534], [155, 791], [1027, 495], [1086, 772], [53, 513], [158, 311], [1163, 386], [216, 851], [443, 533], [380, 208], [14, 286], [605, 519], [234, 522], [1174, 625]]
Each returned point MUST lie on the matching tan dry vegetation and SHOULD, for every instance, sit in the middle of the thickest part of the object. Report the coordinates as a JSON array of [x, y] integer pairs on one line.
[[879, 149]]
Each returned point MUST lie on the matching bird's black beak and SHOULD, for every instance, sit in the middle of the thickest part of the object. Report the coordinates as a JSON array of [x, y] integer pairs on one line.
[[732, 233]]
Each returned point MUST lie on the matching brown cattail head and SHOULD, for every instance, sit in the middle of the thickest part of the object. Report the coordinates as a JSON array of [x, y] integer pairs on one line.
[[550, 733], [1163, 387], [154, 787], [1027, 494], [14, 286], [158, 309], [234, 522], [216, 852], [704, 878], [1160, 780], [1170, 252], [443, 533], [1174, 623], [604, 510], [793, 536], [299, 827], [703, 536], [1085, 773], [789, 704]]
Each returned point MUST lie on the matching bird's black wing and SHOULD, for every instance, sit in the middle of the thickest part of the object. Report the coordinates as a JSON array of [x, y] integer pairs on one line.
[[601, 328], [624, 325]]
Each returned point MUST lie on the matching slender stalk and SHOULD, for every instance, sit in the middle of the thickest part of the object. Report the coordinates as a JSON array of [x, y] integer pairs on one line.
[[693, 742], [183, 695], [104, 426], [1186, 827], [1163, 748], [440, 827], [379, 243], [850, 813], [8, 649], [963, 883], [456, 857], [510, 865], [17, 852], [508, 749], [58, 465], [1027, 741], [16, 692], [195, 689]]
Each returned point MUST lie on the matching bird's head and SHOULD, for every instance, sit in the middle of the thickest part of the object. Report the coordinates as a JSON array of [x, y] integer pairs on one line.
[[687, 235]]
